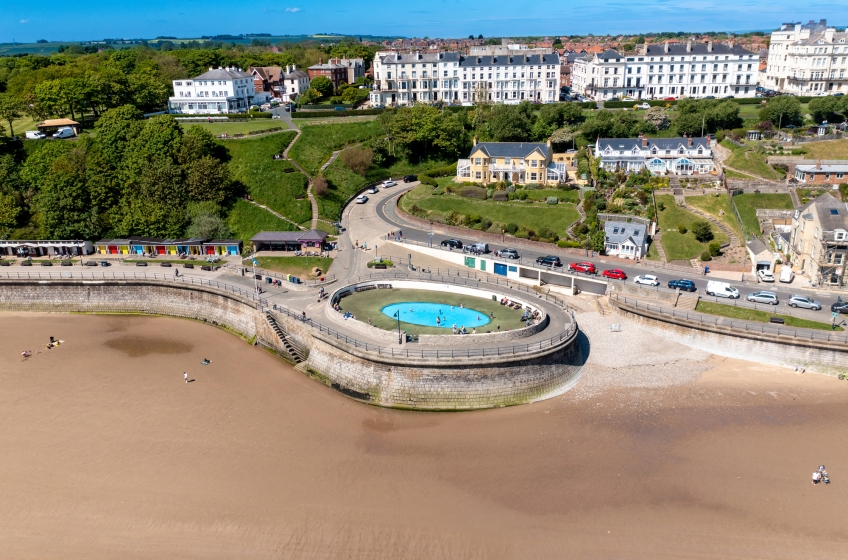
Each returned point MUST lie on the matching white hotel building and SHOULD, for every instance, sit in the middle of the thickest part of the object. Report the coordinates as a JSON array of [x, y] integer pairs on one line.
[[404, 79], [668, 70], [808, 59], [222, 90]]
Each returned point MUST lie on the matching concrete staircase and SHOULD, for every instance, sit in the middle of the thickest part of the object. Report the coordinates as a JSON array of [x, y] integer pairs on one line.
[[657, 241], [687, 300], [602, 306], [734, 241], [296, 354]]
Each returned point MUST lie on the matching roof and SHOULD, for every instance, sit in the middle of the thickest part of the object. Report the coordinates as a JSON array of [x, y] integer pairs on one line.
[[675, 49], [57, 122], [223, 74], [394, 58], [610, 54], [619, 232], [276, 73], [832, 213], [757, 247], [510, 149], [627, 144], [825, 168], [509, 60], [290, 236]]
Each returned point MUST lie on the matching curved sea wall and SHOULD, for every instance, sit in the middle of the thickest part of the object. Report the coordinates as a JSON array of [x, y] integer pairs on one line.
[[423, 383]]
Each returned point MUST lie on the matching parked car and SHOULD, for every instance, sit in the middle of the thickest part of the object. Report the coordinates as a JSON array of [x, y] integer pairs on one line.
[[35, 135], [67, 263], [373, 190], [508, 254], [410, 178], [549, 260], [585, 267], [613, 99], [840, 307], [478, 247], [643, 106], [786, 274], [361, 199], [614, 273], [452, 243], [765, 276], [721, 289], [141, 263], [338, 109], [628, 99], [763, 297], [682, 285], [26, 263], [64, 132], [804, 302], [389, 183], [669, 98], [647, 280]]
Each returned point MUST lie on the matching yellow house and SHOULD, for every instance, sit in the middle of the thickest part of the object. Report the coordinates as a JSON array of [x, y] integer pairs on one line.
[[517, 162]]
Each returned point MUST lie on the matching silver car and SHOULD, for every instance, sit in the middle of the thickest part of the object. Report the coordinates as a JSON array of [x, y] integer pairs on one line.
[[804, 302], [763, 297]]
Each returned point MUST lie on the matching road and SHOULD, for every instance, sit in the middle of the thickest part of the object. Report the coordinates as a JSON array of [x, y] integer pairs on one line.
[[384, 203]]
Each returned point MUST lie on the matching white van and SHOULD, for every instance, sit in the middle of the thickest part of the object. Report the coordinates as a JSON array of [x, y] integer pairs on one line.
[[786, 274], [64, 132], [722, 289], [35, 135]]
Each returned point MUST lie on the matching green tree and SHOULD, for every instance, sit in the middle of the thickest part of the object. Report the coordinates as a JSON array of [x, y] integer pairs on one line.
[[51, 99], [197, 143], [149, 92], [63, 202], [115, 128], [309, 97], [322, 85], [207, 179], [11, 109], [702, 230], [510, 123], [825, 109], [206, 225], [782, 110], [658, 117]]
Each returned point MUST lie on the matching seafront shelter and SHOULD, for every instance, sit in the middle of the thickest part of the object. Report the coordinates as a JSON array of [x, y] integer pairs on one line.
[[44, 248], [289, 240]]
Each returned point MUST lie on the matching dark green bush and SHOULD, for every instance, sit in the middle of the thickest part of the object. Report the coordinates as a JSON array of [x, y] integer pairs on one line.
[[681, 228], [511, 228], [705, 256], [500, 196]]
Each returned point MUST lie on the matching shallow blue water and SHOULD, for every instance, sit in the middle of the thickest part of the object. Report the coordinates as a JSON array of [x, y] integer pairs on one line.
[[423, 313]]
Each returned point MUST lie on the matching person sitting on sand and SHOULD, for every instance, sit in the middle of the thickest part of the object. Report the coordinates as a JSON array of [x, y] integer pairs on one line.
[[26, 354]]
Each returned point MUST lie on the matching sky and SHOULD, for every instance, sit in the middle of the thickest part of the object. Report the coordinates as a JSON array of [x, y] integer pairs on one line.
[[98, 19]]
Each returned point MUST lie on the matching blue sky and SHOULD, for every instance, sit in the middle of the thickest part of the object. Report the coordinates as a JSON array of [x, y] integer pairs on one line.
[[97, 19]]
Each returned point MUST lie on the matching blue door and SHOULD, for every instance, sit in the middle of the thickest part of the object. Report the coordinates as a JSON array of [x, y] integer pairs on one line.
[[500, 268]]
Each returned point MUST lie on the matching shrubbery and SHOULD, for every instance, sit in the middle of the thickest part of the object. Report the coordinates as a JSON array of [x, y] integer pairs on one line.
[[500, 196], [473, 192], [552, 200], [705, 256], [681, 228]]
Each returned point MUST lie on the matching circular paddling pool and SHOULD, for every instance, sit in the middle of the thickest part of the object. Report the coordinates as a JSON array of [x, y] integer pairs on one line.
[[426, 314]]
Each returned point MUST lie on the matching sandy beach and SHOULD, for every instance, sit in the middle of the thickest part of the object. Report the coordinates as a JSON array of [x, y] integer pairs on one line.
[[107, 453]]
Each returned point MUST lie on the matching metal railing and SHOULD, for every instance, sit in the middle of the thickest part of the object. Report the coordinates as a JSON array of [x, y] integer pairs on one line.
[[743, 326], [453, 353], [68, 275]]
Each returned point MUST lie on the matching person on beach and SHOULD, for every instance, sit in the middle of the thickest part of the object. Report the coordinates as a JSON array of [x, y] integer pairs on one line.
[[26, 353], [185, 376]]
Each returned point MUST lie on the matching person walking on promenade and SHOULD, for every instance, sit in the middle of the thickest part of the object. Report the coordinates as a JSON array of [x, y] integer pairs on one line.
[[185, 376]]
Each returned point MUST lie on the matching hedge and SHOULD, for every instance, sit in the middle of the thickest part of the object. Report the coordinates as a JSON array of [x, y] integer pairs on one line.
[[445, 171], [331, 114], [629, 104], [230, 116]]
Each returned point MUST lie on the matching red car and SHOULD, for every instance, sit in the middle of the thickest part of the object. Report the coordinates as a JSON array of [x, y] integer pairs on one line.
[[668, 98], [614, 273], [585, 267]]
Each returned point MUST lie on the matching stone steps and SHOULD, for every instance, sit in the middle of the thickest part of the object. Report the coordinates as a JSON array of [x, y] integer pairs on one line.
[[657, 241], [294, 351]]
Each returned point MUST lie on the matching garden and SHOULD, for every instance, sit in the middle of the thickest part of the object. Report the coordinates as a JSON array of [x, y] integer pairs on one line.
[[685, 235]]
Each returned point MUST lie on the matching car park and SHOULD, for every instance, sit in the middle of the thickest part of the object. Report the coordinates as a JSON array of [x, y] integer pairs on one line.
[[35, 135], [763, 297], [361, 199], [682, 285], [508, 254], [615, 274], [549, 260], [373, 190], [804, 302], [452, 244], [721, 289], [410, 178], [646, 280], [389, 183], [584, 267], [765, 276]]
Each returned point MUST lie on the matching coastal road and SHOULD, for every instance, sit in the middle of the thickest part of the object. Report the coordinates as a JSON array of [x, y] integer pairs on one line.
[[383, 205]]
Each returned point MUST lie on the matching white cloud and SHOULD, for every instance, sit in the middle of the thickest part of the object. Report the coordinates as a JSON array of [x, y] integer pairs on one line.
[[292, 10], [24, 21]]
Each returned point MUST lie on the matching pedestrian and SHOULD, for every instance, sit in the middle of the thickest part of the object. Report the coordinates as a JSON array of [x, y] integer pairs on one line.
[[473, 330], [499, 328], [185, 376], [369, 320], [304, 315], [357, 243]]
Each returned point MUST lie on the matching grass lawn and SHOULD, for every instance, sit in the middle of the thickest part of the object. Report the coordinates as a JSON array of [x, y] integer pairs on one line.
[[749, 161], [563, 196], [255, 125], [365, 305], [22, 125], [333, 120], [832, 149], [746, 314], [715, 205], [731, 174], [317, 142], [246, 220], [251, 161], [297, 266], [653, 254], [806, 195], [748, 203], [679, 246], [557, 218]]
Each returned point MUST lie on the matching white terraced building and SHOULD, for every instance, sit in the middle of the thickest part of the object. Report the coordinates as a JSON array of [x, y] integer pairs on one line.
[[407, 78], [679, 156], [672, 70], [808, 59], [220, 90]]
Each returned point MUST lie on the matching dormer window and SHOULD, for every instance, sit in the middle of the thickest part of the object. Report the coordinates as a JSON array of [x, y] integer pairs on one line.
[[654, 150], [700, 151], [680, 150]]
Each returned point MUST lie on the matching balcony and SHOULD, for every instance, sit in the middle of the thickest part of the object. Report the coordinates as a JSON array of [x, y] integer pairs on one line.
[[506, 168]]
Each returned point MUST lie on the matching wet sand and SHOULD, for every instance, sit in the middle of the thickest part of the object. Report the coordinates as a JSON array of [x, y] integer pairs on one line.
[[107, 453]]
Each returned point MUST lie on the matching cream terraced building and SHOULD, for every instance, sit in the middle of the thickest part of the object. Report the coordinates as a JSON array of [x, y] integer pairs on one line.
[[807, 59], [451, 77], [516, 162]]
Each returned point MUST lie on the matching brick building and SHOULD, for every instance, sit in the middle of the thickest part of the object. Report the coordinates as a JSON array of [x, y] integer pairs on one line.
[[337, 73], [818, 174]]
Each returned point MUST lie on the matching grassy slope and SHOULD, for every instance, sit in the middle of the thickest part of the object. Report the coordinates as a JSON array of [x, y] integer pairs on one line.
[[681, 246], [747, 205], [834, 149], [251, 162], [256, 125], [749, 161], [317, 143], [298, 266], [533, 216], [365, 305], [713, 205], [746, 314], [246, 220]]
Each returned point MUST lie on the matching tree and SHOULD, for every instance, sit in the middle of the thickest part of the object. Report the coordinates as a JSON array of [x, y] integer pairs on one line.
[[206, 225], [309, 97], [358, 159], [11, 109], [207, 179], [715, 248], [320, 187], [510, 123], [658, 117], [782, 111], [115, 128], [825, 109], [702, 230], [149, 92], [322, 85], [562, 137]]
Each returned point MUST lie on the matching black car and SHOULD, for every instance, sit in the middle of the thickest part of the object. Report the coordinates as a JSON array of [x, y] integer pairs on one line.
[[5, 263], [683, 285], [410, 178], [509, 254], [452, 243], [840, 307], [549, 260], [188, 265]]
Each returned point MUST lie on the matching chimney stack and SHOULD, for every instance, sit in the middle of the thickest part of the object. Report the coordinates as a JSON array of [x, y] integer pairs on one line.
[[690, 142], [475, 140], [644, 140], [689, 46], [710, 46], [665, 46], [818, 164]]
